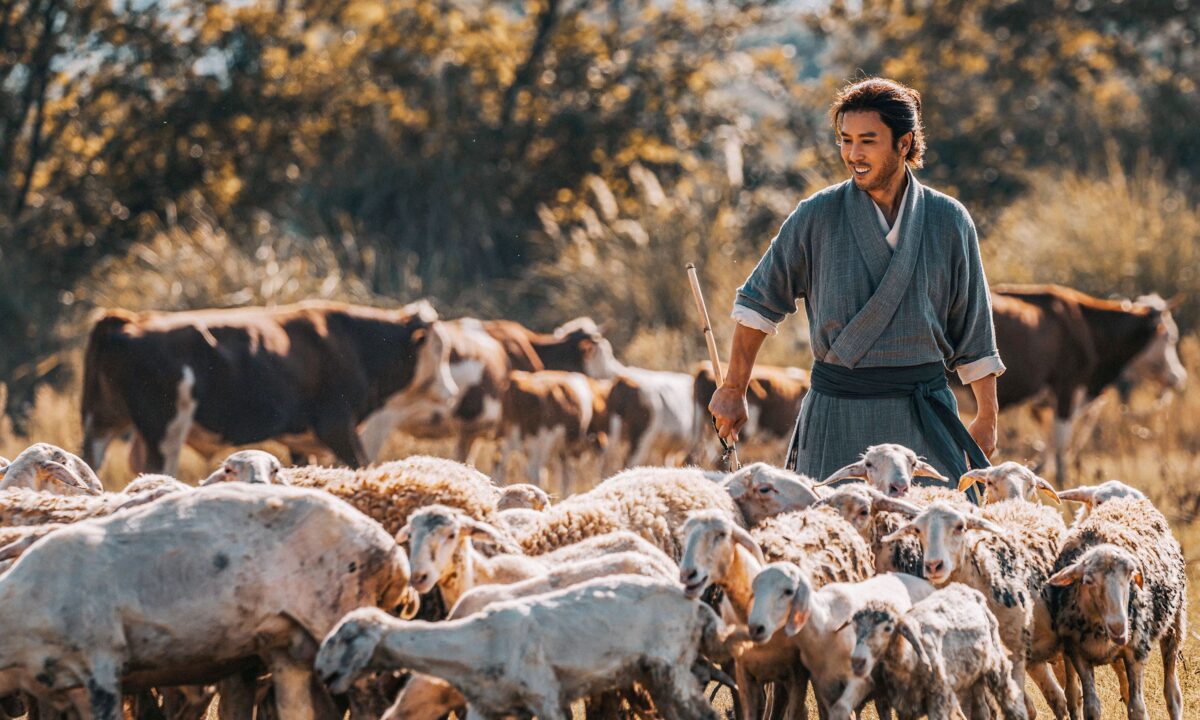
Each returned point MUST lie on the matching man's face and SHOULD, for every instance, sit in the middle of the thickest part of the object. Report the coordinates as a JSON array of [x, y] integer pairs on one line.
[[869, 152]]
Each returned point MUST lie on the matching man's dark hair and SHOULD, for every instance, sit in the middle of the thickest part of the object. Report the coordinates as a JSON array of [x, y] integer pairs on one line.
[[899, 106]]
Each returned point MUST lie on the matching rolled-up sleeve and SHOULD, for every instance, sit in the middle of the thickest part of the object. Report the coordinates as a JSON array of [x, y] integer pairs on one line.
[[778, 281], [970, 329]]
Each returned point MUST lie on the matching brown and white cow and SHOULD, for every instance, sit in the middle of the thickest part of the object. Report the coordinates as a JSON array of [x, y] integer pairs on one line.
[[551, 414], [651, 411], [1065, 347], [773, 398], [304, 374], [480, 355]]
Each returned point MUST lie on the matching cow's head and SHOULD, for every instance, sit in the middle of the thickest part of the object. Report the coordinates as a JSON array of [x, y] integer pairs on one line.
[[1158, 362], [594, 349], [431, 375]]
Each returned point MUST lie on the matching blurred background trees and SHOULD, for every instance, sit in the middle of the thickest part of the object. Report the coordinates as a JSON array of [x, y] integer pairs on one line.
[[547, 158]]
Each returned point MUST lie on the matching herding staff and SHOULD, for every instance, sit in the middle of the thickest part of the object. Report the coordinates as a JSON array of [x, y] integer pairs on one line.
[[728, 449]]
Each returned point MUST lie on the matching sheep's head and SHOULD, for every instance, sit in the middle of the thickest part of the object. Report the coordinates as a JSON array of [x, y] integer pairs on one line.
[[1103, 576], [1093, 495], [522, 496], [782, 600], [709, 548], [48, 468], [762, 491], [348, 649], [858, 504], [248, 466], [889, 468], [875, 627], [436, 536], [945, 533], [1008, 481]]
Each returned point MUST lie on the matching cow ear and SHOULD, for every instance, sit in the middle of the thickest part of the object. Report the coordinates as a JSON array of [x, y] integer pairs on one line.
[[1067, 576], [418, 336], [1175, 301]]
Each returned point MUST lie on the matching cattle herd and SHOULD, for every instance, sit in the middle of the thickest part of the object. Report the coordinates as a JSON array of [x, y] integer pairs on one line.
[[421, 587]]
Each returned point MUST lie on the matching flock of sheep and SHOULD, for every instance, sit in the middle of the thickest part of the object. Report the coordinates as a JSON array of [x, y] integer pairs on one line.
[[293, 592]]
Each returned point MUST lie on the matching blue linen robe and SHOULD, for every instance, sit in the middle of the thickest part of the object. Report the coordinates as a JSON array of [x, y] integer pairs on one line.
[[870, 306]]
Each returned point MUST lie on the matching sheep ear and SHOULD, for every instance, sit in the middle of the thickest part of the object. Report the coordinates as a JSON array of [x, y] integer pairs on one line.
[[908, 632], [797, 617], [741, 537], [4, 462], [1045, 488], [879, 501], [853, 470], [908, 529], [63, 475], [924, 469], [1083, 494], [973, 477], [843, 626], [978, 523], [1067, 576], [1137, 578], [410, 603], [403, 535], [483, 532]]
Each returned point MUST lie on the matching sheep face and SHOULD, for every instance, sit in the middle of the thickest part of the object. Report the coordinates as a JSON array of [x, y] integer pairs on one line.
[[782, 600], [348, 649], [944, 533], [853, 503], [523, 496], [889, 468], [762, 491], [434, 538], [1008, 481], [709, 544], [874, 626], [248, 466], [48, 468], [1103, 577]]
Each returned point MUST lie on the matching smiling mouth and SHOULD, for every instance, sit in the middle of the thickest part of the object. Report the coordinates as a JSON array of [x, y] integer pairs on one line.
[[859, 170]]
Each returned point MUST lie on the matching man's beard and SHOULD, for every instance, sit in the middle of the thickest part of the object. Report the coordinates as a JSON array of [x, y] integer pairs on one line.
[[878, 177]]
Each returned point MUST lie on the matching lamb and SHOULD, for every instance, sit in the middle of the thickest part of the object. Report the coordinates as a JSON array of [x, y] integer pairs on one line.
[[876, 516], [390, 492], [762, 491], [1119, 587], [785, 600], [180, 590], [429, 698], [249, 466], [944, 651], [1008, 481], [1004, 554], [49, 468], [719, 552], [651, 502], [535, 655]]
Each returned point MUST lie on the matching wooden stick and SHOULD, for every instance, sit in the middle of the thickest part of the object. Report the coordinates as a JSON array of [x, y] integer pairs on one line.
[[711, 341]]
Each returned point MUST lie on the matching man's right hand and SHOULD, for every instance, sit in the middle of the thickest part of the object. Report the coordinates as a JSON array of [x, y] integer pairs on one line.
[[728, 406]]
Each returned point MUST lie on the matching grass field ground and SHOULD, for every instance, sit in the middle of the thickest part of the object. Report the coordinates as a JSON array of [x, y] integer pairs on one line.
[[1152, 445]]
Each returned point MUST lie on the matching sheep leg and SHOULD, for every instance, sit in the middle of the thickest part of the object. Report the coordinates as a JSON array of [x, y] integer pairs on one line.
[[1006, 693], [1134, 671], [748, 691], [1043, 676], [103, 691], [797, 688], [1087, 682], [1122, 682], [292, 680], [1170, 656], [677, 694], [237, 696]]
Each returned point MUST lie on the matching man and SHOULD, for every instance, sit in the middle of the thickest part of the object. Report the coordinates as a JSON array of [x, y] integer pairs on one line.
[[895, 293]]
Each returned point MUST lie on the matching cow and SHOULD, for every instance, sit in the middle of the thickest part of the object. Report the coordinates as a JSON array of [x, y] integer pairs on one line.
[[303, 374], [773, 399], [481, 353], [551, 414], [1064, 347], [653, 412]]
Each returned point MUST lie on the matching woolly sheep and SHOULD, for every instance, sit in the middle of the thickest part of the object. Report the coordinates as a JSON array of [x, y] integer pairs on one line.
[[190, 584], [21, 507], [154, 483], [248, 466], [651, 502], [945, 651], [425, 697], [1092, 495], [876, 516], [889, 468], [1008, 481], [762, 491], [536, 655], [1120, 587], [1004, 553], [718, 552], [785, 600], [49, 468]]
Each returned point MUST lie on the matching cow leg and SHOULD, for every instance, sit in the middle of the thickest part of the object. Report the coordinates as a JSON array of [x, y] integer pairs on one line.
[[337, 432], [237, 696], [612, 449], [375, 432], [500, 468]]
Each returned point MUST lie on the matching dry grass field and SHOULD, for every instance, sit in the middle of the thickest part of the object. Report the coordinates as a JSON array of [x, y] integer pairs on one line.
[[1152, 445]]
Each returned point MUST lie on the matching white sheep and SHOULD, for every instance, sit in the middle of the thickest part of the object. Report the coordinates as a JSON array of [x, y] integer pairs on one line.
[[1008, 481], [762, 491], [248, 466], [172, 592], [1092, 495], [720, 553], [943, 653], [889, 468], [1119, 589], [425, 697], [536, 655], [786, 601], [49, 468]]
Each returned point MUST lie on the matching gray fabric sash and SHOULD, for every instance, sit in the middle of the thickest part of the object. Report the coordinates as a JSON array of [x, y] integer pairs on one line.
[[891, 273]]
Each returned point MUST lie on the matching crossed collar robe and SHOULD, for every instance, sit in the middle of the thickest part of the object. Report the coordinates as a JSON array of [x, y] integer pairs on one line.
[[869, 306]]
